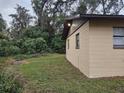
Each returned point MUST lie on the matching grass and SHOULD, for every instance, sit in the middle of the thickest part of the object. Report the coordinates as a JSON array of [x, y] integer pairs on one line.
[[53, 74], [8, 79], [3, 62], [2, 59]]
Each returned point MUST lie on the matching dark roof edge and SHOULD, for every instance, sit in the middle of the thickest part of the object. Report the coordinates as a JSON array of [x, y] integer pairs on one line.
[[86, 17], [90, 16], [78, 28]]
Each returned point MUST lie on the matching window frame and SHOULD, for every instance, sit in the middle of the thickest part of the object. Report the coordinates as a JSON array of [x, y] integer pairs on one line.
[[117, 46], [77, 41], [68, 43]]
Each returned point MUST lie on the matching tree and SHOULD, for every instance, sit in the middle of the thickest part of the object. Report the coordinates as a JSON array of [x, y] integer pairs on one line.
[[38, 6], [86, 7], [48, 11], [2, 28], [2, 23], [111, 6], [100, 7], [51, 14], [21, 20], [82, 9]]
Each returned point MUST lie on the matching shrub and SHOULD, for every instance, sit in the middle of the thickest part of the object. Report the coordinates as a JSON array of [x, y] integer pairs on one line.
[[25, 45], [32, 46], [58, 45], [8, 83], [4, 42], [36, 32], [7, 48], [12, 50], [2, 36], [41, 45], [19, 42], [3, 62]]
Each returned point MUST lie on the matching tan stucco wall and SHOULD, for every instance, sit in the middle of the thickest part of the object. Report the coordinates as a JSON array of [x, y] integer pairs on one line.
[[104, 60], [79, 57], [96, 56]]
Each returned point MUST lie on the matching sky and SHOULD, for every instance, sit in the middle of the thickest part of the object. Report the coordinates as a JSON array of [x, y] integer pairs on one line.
[[7, 7]]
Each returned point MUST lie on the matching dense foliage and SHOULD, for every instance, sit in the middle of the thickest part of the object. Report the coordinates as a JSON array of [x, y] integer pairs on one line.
[[34, 40], [46, 32], [8, 79], [2, 24], [58, 45], [8, 84], [104, 7], [8, 48], [32, 46]]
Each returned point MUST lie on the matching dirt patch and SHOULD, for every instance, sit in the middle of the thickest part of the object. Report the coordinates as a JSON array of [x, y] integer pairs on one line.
[[19, 62]]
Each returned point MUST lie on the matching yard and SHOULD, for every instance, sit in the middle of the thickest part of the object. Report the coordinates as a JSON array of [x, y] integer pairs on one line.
[[53, 74]]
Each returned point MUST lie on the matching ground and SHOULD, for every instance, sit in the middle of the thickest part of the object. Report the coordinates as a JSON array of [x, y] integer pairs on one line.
[[53, 74]]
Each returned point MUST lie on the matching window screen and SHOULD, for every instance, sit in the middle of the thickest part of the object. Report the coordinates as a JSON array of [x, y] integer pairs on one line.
[[118, 37], [68, 43], [77, 41]]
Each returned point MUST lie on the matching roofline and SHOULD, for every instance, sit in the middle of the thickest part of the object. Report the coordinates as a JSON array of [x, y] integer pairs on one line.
[[78, 28], [87, 17], [90, 16]]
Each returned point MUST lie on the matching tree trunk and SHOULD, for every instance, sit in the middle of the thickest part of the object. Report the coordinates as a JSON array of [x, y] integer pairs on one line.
[[103, 6]]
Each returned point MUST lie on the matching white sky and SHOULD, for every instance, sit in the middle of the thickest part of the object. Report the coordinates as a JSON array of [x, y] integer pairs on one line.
[[7, 7]]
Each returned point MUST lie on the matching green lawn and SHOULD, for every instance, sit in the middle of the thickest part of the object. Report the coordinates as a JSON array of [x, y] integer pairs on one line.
[[53, 73]]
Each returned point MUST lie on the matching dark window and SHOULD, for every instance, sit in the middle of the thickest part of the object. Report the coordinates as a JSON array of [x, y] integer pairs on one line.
[[77, 41], [68, 43], [118, 37]]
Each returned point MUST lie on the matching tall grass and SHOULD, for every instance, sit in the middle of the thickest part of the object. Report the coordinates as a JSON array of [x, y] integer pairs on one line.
[[8, 82]]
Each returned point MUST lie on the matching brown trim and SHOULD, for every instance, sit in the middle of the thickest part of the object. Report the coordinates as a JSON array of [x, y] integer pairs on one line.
[[78, 28]]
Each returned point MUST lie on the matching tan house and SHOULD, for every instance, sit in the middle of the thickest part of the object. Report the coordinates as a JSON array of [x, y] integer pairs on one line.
[[95, 44]]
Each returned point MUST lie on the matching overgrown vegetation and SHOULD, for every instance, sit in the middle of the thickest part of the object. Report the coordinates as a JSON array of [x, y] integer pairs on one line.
[[2, 61], [8, 80], [8, 83], [33, 40]]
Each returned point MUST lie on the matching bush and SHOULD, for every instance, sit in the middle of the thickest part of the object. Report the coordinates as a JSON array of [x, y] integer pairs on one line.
[[35, 32], [12, 50], [34, 40], [8, 83], [32, 46], [58, 45], [22, 46], [4, 42], [19, 42], [2, 36], [7, 48]]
